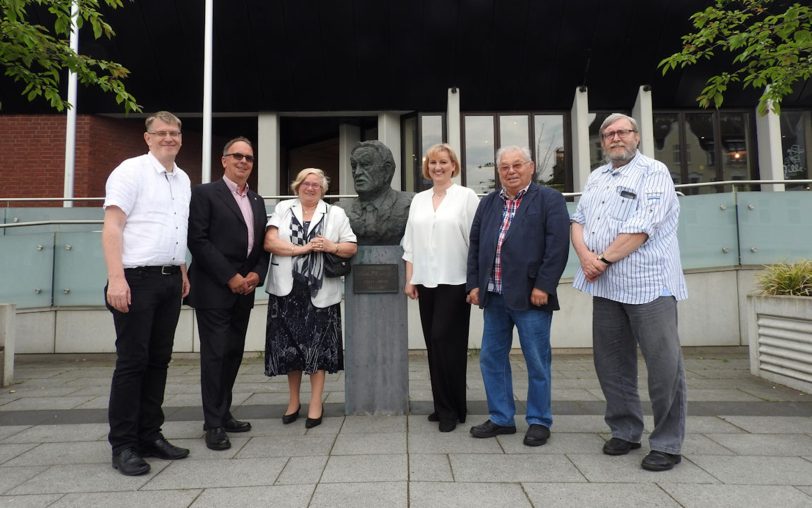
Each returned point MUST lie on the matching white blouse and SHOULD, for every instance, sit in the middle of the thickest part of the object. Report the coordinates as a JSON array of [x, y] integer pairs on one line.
[[436, 242]]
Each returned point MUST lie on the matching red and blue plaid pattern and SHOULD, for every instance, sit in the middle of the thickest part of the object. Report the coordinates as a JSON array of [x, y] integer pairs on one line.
[[508, 212]]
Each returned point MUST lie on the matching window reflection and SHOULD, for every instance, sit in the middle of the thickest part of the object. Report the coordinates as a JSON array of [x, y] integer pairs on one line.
[[700, 149], [480, 173], [596, 159], [431, 133], [796, 146], [549, 151], [733, 128], [514, 130], [667, 143]]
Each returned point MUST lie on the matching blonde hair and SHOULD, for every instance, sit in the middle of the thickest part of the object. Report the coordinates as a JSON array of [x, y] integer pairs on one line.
[[325, 182], [165, 117], [440, 147]]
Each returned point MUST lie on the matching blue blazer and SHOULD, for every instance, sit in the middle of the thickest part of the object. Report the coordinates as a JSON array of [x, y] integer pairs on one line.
[[534, 252]]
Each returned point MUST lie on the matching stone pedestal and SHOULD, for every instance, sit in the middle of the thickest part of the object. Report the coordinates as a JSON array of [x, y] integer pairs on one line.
[[376, 359]]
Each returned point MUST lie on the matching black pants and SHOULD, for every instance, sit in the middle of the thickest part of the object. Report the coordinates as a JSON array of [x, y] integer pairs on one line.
[[144, 338], [445, 317], [222, 342]]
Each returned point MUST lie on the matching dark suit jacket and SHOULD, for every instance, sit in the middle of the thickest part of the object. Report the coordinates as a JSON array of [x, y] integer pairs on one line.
[[534, 252], [218, 241]]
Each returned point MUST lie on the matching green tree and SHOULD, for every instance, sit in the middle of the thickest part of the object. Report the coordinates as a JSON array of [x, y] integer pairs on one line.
[[36, 56], [771, 49]]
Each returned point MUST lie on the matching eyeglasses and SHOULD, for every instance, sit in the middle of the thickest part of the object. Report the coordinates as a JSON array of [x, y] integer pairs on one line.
[[163, 134], [311, 185], [240, 156], [620, 132], [516, 166]]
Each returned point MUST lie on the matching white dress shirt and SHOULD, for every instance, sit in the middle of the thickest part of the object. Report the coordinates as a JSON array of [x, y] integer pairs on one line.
[[156, 203], [436, 241]]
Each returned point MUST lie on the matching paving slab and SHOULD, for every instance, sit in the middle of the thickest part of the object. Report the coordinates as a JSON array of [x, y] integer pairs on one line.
[[772, 424], [458, 441], [29, 501], [373, 424], [283, 496], [785, 445], [11, 477], [707, 424], [371, 443], [424, 467], [597, 495], [466, 495], [154, 499], [366, 468], [11, 451], [757, 470], [60, 433], [558, 444], [47, 454], [486, 468], [302, 471], [97, 477], [354, 495], [50, 402], [736, 496], [201, 474], [274, 446], [600, 468]]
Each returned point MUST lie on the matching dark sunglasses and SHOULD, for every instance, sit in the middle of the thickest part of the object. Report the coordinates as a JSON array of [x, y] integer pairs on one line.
[[240, 156]]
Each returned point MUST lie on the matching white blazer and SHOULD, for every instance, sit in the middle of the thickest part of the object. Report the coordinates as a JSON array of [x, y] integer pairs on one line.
[[280, 271]]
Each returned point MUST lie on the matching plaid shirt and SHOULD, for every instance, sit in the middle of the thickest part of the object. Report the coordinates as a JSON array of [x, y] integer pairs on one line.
[[508, 212]]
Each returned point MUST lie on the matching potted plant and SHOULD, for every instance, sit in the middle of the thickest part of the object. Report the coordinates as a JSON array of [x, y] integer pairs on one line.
[[780, 325]]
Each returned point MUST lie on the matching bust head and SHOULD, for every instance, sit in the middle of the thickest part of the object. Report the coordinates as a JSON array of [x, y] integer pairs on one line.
[[372, 168]]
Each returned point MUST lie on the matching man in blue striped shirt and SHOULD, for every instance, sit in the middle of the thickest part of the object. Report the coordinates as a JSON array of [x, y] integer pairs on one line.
[[624, 231]]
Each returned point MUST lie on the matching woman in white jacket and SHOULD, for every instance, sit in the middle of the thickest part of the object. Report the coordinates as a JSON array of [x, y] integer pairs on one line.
[[303, 332]]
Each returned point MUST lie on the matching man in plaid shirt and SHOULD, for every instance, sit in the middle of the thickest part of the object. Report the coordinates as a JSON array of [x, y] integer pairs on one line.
[[519, 247]]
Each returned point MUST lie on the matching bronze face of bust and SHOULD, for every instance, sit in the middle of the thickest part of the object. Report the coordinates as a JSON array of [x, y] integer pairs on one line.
[[378, 216]]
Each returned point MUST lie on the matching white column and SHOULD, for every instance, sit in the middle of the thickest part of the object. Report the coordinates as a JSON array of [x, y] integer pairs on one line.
[[70, 125], [644, 114], [453, 125], [770, 160], [205, 161], [348, 136], [268, 154], [389, 135], [579, 118]]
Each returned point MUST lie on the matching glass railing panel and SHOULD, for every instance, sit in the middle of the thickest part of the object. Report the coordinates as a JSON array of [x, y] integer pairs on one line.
[[26, 267], [774, 226], [79, 270], [707, 231], [38, 214]]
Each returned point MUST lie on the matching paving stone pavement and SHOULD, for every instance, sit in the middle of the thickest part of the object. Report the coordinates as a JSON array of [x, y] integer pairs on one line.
[[749, 443]]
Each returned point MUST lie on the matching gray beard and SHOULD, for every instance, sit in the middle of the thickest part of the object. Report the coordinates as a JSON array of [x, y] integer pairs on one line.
[[624, 158]]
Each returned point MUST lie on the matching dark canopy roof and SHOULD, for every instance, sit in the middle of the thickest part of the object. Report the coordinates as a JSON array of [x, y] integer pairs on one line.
[[367, 55]]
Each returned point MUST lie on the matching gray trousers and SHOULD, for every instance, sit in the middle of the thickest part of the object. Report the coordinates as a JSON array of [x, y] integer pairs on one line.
[[617, 329]]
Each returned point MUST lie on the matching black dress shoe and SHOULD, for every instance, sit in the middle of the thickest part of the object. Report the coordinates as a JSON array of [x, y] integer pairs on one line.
[[163, 449], [660, 461], [313, 422], [617, 446], [129, 463], [490, 429], [536, 435], [448, 425], [234, 425], [286, 419], [217, 439], [433, 417]]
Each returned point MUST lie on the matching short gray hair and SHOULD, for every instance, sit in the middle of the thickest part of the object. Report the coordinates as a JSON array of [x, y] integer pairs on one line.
[[513, 148], [614, 117]]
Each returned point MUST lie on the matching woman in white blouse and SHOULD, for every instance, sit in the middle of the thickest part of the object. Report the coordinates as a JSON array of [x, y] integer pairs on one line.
[[435, 248]]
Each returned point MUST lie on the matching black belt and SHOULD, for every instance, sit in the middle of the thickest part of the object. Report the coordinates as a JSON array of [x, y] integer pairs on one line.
[[163, 270]]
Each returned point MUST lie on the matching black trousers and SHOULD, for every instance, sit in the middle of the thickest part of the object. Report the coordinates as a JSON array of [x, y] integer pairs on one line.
[[222, 342], [144, 338], [445, 317]]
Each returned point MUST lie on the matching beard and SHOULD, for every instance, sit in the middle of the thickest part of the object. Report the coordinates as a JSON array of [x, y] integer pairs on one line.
[[625, 154]]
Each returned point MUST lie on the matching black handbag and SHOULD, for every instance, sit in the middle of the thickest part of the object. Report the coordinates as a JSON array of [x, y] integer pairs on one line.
[[335, 265]]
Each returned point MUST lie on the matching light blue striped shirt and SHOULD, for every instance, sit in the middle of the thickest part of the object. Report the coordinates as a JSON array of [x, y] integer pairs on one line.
[[636, 198]]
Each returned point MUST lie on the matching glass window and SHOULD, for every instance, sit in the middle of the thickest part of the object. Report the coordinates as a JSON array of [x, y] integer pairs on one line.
[[734, 131], [796, 145], [480, 174], [667, 148], [411, 159], [431, 132], [700, 149], [549, 150], [596, 159], [514, 130]]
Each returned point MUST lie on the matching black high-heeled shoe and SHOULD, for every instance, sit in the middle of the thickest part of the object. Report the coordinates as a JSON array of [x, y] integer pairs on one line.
[[313, 422], [286, 419]]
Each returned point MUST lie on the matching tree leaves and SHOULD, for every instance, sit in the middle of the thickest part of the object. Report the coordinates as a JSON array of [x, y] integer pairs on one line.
[[768, 50], [35, 56]]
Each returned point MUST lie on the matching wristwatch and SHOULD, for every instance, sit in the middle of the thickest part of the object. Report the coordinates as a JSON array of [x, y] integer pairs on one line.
[[604, 260]]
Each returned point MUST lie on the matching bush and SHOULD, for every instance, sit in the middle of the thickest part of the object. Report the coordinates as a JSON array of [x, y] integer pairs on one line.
[[788, 279]]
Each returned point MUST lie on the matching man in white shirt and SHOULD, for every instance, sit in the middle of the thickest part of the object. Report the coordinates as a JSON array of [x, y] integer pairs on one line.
[[146, 212]]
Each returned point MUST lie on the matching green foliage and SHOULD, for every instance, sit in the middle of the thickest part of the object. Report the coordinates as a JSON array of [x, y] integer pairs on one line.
[[789, 279], [35, 56], [770, 50]]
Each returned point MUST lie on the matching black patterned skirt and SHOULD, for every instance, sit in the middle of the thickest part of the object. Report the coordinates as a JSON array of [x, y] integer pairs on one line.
[[301, 336]]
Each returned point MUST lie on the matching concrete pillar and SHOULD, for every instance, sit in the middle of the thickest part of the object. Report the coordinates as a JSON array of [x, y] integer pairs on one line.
[[7, 314], [579, 117], [389, 135], [348, 137], [453, 121], [268, 151], [644, 114], [770, 159]]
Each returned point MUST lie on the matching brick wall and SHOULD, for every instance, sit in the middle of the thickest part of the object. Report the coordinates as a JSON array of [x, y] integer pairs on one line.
[[33, 148]]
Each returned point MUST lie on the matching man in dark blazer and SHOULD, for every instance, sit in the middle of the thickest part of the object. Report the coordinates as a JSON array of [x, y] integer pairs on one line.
[[226, 234], [519, 247]]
